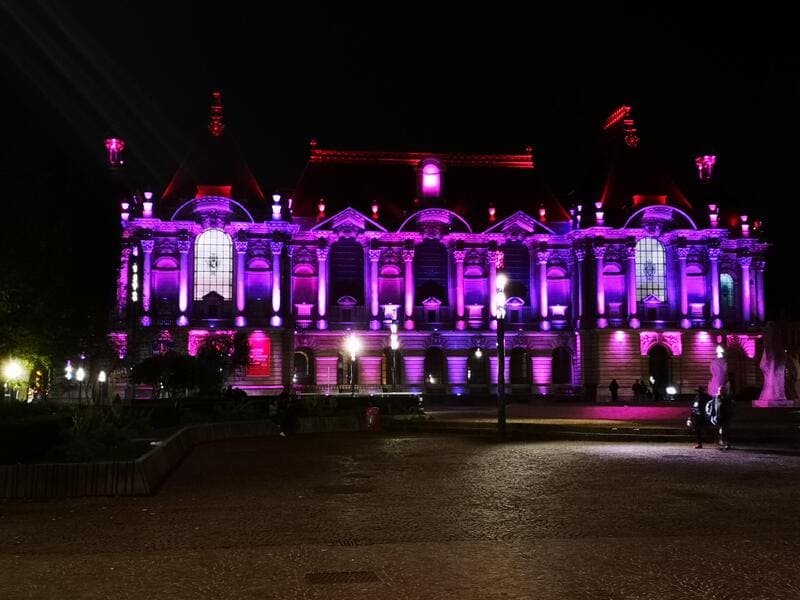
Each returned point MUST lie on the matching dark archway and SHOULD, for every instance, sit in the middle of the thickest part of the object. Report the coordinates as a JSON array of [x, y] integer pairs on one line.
[[477, 367], [435, 370], [391, 367], [346, 370], [303, 367], [517, 267], [519, 367], [659, 370], [562, 366]]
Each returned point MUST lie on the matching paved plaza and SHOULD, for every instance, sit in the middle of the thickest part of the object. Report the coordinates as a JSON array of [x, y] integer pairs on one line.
[[423, 516]]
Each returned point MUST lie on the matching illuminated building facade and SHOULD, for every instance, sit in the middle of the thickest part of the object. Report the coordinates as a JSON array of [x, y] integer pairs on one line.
[[629, 280]]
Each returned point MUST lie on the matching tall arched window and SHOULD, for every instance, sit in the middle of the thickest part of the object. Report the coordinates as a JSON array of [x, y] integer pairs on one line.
[[651, 269], [213, 264], [727, 292]]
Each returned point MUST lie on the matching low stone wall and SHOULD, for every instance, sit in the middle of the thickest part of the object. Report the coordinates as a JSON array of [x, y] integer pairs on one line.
[[145, 474]]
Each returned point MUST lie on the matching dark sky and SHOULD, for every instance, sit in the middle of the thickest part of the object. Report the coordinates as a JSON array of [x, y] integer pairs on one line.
[[399, 75]]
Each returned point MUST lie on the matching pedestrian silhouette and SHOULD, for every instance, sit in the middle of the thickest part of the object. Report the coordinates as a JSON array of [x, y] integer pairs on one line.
[[613, 387]]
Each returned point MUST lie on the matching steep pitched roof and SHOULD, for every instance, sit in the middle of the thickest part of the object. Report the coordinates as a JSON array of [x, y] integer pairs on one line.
[[470, 182]]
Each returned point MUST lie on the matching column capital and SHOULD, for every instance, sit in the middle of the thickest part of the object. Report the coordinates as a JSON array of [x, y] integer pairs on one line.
[[147, 245], [745, 261], [759, 265], [322, 253], [125, 252], [580, 254], [683, 252], [277, 247], [630, 252], [374, 255], [714, 253], [241, 246], [542, 256], [408, 255], [599, 251], [494, 256], [183, 246], [459, 255]]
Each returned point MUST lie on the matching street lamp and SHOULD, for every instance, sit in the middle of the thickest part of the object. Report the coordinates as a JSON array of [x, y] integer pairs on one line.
[[500, 311], [80, 375], [101, 380], [353, 347], [394, 344], [13, 373]]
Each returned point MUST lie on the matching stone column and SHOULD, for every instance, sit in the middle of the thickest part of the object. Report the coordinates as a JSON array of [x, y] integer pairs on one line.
[[277, 248], [408, 260], [683, 254], [580, 255], [599, 252], [458, 257], [542, 257], [713, 262], [374, 257], [322, 286], [241, 254], [122, 283], [147, 266], [183, 281], [760, 307], [744, 262], [630, 254]]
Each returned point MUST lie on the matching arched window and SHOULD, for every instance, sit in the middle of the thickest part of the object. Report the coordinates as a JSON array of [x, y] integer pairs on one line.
[[517, 267], [347, 270], [727, 292], [651, 269], [303, 367], [213, 264], [430, 271]]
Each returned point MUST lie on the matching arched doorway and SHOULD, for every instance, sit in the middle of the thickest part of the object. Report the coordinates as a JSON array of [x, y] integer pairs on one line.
[[659, 369], [562, 366], [391, 368], [477, 367], [737, 370], [519, 367], [435, 372], [303, 367], [346, 370]]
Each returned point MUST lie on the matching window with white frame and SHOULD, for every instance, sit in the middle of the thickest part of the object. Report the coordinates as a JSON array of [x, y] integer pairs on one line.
[[213, 264], [651, 269]]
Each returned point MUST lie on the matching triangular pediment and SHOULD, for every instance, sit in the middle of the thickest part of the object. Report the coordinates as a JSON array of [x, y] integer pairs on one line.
[[650, 299], [520, 223], [348, 219]]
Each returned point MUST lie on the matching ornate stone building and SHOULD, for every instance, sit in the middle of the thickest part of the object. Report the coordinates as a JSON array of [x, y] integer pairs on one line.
[[629, 281]]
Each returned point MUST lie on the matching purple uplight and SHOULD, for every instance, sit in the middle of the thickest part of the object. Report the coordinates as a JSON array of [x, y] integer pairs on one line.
[[115, 146], [431, 179], [619, 336]]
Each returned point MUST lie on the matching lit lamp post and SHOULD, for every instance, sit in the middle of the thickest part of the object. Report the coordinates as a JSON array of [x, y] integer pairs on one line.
[[80, 375], [353, 347], [13, 373], [394, 344], [500, 311], [101, 381]]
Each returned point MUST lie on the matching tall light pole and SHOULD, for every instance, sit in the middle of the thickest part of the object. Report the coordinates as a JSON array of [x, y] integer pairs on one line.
[[394, 344], [353, 346], [500, 311]]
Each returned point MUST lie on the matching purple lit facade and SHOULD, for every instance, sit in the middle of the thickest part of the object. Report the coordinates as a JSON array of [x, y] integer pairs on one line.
[[641, 284]]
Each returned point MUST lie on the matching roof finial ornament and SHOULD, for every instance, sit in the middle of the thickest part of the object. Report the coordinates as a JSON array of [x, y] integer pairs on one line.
[[622, 115], [216, 126]]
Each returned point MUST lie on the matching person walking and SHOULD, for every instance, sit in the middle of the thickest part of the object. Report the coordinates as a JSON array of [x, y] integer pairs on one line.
[[613, 387], [723, 407], [697, 418]]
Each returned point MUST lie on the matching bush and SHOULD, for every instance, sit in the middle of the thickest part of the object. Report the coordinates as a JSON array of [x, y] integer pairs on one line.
[[30, 437]]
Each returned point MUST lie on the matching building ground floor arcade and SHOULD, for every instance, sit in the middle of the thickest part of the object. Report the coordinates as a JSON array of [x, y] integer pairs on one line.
[[577, 364]]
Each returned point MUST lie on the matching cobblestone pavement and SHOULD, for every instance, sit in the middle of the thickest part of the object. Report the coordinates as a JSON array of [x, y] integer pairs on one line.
[[419, 516]]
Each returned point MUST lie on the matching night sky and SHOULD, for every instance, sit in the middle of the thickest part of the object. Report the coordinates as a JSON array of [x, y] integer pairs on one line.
[[379, 76]]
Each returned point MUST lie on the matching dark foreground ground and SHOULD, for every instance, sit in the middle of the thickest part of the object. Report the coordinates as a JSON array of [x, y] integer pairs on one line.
[[418, 516]]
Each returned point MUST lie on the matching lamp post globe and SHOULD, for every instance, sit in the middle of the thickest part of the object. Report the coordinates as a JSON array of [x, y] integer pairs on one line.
[[353, 346], [500, 311]]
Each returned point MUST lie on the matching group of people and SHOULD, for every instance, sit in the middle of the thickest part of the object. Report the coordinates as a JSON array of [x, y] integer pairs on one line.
[[640, 390], [716, 411]]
